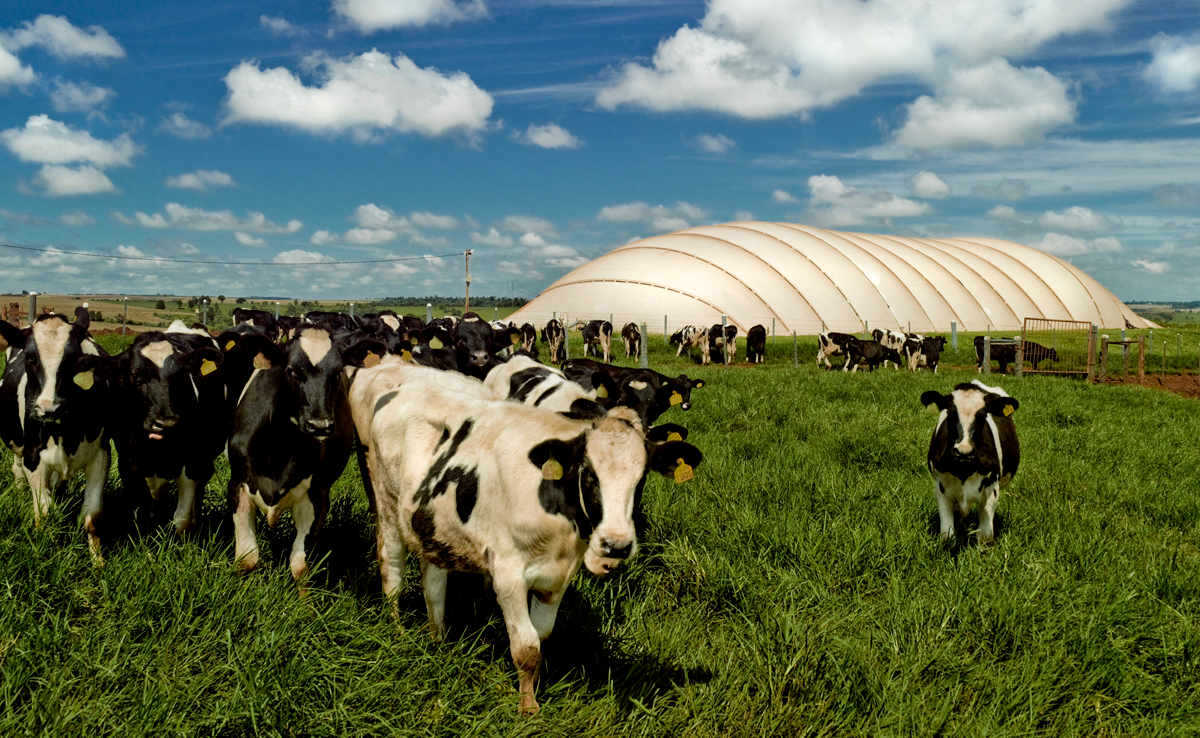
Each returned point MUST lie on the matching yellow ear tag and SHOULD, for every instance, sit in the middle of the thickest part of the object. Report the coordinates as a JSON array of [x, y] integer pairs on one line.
[[262, 362], [207, 367], [676, 398], [516, 339], [602, 392], [85, 379], [230, 344], [371, 360], [552, 470], [435, 343], [1008, 410], [406, 356], [413, 340], [673, 436], [683, 472]]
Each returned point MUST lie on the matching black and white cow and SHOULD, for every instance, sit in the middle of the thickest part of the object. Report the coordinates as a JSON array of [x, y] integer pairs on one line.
[[973, 454], [756, 344], [173, 419], [830, 344], [529, 339], [389, 328], [597, 339], [518, 493], [555, 337], [259, 318], [723, 339], [867, 353], [891, 339], [55, 407], [291, 436], [924, 352], [334, 322], [690, 337], [631, 335], [1005, 354], [521, 379], [286, 327], [644, 391], [475, 346]]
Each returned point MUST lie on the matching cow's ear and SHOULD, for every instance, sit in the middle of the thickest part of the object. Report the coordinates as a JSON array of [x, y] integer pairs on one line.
[[584, 409], [364, 352], [554, 457], [1000, 405], [228, 340], [666, 432], [13, 336], [607, 391], [204, 360], [675, 459], [932, 398], [696, 384], [101, 367], [671, 393], [253, 344]]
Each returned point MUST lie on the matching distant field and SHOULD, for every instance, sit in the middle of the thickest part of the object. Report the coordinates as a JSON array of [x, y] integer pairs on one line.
[[793, 588]]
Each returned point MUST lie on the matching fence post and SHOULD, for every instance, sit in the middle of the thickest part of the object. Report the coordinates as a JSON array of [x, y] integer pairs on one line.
[[351, 310], [645, 352], [1103, 359], [125, 316], [1020, 359], [1124, 356], [987, 355], [954, 334], [665, 334], [1164, 363], [277, 310], [795, 351], [1141, 360], [866, 330], [822, 327], [429, 312], [1091, 349], [725, 338]]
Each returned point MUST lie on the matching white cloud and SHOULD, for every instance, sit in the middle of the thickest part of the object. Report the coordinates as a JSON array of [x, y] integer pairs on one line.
[[12, 71], [929, 186], [431, 220], [26, 219], [68, 97], [1177, 195], [369, 235], [404, 270], [994, 105], [322, 238], [658, 217], [1078, 220], [492, 238], [133, 251], [836, 204], [1058, 244], [361, 94], [1176, 64], [1008, 189], [299, 256], [280, 26], [48, 141], [1154, 267], [60, 181], [76, 219], [567, 263], [527, 223], [717, 144], [765, 58], [549, 136], [376, 15], [743, 216], [200, 180], [246, 239], [782, 196], [197, 219], [181, 126], [56, 34], [532, 239], [558, 251]]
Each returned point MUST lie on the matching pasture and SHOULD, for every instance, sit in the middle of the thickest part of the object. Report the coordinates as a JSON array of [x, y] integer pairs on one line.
[[794, 587]]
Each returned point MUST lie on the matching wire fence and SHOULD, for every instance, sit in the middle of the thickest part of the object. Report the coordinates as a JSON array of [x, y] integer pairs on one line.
[[1057, 346]]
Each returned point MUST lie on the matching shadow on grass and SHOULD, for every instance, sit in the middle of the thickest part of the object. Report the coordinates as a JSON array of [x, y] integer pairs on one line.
[[964, 530]]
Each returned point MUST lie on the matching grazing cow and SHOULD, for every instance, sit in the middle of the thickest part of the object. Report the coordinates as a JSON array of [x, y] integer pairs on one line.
[[644, 391], [521, 379], [690, 337], [891, 339], [924, 352], [632, 337], [518, 493], [529, 339], [832, 344], [259, 318], [173, 419], [726, 340], [1005, 354], [756, 344], [291, 437], [597, 339], [54, 413], [973, 454], [867, 353], [555, 337]]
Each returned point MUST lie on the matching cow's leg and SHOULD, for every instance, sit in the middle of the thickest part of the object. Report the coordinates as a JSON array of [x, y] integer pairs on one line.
[[945, 513], [95, 475], [513, 595], [987, 511], [245, 547], [18, 470], [190, 490], [389, 546], [304, 515], [41, 488], [433, 583], [543, 609]]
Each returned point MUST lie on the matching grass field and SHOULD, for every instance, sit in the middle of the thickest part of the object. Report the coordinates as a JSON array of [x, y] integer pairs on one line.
[[794, 587]]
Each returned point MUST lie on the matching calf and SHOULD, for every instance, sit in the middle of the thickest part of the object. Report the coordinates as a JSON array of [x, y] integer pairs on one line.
[[173, 419], [867, 353], [291, 437], [529, 339], [973, 454], [55, 413], [556, 338], [632, 338], [259, 318], [518, 493], [924, 352], [690, 337], [524, 380], [723, 339], [832, 344], [597, 339], [644, 391], [756, 344], [286, 327], [475, 346], [1005, 354]]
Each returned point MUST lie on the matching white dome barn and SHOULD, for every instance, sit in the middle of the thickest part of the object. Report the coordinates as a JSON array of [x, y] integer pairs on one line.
[[805, 278]]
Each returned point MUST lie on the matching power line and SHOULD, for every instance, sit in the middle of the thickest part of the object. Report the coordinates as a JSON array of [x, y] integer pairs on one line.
[[226, 263]]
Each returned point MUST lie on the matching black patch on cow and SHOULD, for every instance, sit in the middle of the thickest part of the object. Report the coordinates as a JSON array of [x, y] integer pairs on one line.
[[445, 437], [466, 493], [522, 384], [435, 482], [435, 551], [548, 393], [576, 496], [384, 400], [584, 409]]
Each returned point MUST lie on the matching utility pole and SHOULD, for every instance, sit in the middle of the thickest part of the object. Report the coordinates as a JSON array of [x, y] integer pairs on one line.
[[467, 303]]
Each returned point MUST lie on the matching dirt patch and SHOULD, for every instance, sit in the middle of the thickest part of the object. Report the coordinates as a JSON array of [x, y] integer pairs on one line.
[[1187, 385]]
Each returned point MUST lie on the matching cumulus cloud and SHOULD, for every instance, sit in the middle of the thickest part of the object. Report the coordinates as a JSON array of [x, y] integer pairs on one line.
[[1078, 220], [1008, 189], [992, 105], [568, 263], [783, 196], [280, 26], [717, 144], [492, 238], [657, 217], [12, 71], [765, 59], [743, 216], [131, 251], [1154, 267], [363, 95], [431, 220], [200, 180], [378, 225], [55, 34], [1176, 64], [549, 136], [197, 219], [928, 185], [181, 126], [48, 141], [76, 219], [1177, 195], [527, 223], [60, 181], [837, 204], [299, 256], [369, 16], [1058, 244], [246, 239], [68, 97]]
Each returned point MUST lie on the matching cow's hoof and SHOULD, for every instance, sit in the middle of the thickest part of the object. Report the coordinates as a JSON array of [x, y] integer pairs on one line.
[[529, 706]]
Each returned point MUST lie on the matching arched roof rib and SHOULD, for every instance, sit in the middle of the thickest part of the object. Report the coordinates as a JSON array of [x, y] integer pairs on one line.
[[799, 278]]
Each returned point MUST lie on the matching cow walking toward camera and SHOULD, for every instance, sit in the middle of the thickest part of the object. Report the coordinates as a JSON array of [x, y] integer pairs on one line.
[[973, 454]]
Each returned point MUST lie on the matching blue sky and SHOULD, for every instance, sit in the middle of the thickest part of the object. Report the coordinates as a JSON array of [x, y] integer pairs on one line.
[[543, 134]]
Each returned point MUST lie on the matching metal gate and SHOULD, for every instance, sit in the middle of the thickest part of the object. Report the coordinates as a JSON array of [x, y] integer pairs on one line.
[[1058, 347]]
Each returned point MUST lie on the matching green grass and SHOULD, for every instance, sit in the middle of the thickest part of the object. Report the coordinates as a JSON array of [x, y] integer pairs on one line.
[[795, 587]]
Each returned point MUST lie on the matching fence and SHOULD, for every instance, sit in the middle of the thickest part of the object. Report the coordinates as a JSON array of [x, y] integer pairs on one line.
[[1058, 347]]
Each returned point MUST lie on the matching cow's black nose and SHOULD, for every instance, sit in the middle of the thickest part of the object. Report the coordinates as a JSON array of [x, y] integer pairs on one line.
[[318, 428], [617, 549]]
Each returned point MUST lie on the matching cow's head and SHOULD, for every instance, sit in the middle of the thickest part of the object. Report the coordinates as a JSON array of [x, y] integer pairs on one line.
[[602, 471], [160, 378], [60, 361], [964, 424]]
